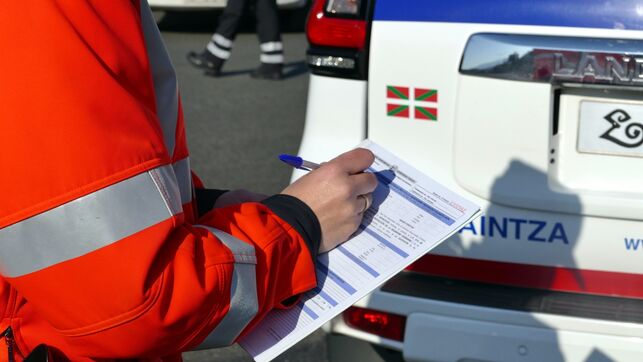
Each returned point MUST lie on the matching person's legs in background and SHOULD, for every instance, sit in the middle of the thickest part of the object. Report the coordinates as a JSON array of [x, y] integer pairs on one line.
[[272, 53], [217, 51]]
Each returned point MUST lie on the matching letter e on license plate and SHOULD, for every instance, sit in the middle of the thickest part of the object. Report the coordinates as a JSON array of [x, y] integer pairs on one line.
[[611, 128]]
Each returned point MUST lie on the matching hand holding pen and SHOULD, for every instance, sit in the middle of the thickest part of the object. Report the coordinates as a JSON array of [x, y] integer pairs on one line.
[[298, 162], [338, 192]]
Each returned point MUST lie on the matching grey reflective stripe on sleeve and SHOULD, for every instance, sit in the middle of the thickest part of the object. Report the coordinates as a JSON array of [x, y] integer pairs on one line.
[[89, 223], [184, 178], [168, 188], [244, 304], [166, 89]]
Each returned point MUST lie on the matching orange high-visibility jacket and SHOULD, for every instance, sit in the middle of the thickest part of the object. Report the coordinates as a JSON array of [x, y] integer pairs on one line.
[[102, 254]]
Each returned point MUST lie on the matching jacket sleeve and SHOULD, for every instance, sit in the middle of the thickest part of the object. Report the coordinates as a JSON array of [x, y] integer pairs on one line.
[[94, 228]]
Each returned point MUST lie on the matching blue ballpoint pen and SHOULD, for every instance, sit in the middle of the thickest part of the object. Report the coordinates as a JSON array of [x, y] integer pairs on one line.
[[298, 162]]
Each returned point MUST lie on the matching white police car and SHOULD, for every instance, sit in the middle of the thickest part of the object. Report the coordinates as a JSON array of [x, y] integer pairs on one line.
[[533, 109]]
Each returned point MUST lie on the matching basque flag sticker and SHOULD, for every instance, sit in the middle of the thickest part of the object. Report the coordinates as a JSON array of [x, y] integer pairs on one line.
[[422, 105]]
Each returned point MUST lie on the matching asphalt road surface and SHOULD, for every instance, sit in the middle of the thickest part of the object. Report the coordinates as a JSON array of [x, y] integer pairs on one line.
[[236, 126]]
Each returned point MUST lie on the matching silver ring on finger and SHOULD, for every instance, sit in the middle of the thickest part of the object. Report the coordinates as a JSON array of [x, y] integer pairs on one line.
[[367, 202]]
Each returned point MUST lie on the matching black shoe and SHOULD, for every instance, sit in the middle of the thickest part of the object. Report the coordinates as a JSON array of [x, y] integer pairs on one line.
[[206, 61], [268, 71]]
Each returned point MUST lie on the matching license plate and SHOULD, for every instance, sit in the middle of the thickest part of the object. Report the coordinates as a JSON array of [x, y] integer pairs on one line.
[[611, 128]]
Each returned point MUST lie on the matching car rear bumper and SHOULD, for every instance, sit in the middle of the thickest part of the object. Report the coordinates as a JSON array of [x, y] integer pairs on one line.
[[432, 337], [451, 325]]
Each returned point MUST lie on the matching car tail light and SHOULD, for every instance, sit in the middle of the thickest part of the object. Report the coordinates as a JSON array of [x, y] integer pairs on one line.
[[383, 324], [336, 25], [343, 7], [337, 31]]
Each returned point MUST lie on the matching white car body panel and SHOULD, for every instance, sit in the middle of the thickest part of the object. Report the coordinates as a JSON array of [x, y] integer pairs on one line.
[[466, 149], [336, 124]]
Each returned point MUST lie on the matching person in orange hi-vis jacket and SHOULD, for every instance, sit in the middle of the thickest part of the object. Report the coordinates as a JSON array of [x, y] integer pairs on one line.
[[103, 252]]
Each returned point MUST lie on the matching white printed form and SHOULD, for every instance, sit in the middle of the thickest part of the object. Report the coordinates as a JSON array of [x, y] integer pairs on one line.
[[411, 214]]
